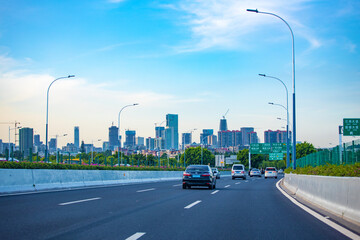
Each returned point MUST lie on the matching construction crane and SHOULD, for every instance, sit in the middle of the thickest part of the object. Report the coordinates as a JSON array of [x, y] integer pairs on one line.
[[15, 123], [225, 113]]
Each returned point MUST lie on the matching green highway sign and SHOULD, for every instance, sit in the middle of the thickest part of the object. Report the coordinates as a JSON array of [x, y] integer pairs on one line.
[[276, 156], [278, 147], [351, 126], [260, 148]]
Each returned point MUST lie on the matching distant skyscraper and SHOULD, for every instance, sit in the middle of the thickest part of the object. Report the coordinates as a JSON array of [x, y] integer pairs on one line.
[[114, 137], [253, 137], [26, 138], [205, 134], [76, 137], [130, 138], [186, 139], [140, 141], [246, 135], [223, 125], [275, 136], [150, 143], [171, 132], [52, 145], [37, 142], [225, 139], [160, 132]]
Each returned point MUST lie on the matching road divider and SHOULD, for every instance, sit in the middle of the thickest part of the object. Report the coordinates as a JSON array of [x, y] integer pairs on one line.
[[339, 195], [27, 180]]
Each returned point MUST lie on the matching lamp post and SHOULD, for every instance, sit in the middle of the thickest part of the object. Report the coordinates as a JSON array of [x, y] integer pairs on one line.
[[287, 119], [57, 152], [92, 149], [293, 75], [119, 147], [47, 114]]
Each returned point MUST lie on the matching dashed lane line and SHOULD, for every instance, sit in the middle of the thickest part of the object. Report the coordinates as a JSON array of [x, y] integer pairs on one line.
[[79, 201], [192, 204], [237, 183], [227, 186], [177, 185], [214, 192], [136, 236], [146, 190]]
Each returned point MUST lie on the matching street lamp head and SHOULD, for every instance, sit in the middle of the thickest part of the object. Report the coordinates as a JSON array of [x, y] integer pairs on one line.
[[262, 75], [135, 104], [252, 10], [271, 103], [70, 76]]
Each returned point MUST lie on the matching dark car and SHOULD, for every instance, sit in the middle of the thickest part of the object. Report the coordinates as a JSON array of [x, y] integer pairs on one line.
[[199, 175]]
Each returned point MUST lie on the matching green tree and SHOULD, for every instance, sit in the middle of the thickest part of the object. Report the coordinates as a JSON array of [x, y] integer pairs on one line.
[[256, 159], [193, 156], [303, 149]]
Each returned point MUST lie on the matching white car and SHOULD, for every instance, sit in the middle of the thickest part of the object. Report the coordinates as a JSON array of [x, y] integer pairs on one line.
[[270, 172], [238, 171]]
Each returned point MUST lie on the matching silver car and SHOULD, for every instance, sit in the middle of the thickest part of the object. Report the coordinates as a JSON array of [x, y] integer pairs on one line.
[[238, 171], [216, 172]]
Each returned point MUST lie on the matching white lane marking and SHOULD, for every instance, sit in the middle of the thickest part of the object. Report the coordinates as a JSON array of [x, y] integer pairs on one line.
[[237, 183], [177, 185], [146, 190], [193, 204], [79, 201], [327, 217], [227, 186], [136, 236], [214, 192], [337, 227], [246, 181]]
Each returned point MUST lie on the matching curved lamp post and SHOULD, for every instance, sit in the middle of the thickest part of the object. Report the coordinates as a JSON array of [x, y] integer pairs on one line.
[[287, 119], [47, 114], [130, 105], [293, 73]]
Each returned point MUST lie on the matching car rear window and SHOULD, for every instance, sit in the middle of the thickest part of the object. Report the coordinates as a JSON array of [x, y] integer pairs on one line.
[[238, 168], [270, 169], [198, 168], [254, 169]]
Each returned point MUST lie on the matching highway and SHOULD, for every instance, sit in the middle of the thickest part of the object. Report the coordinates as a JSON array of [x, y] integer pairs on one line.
[[236, 209]]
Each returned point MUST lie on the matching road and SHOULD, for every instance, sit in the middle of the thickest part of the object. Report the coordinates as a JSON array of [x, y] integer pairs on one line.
[[236, 209]]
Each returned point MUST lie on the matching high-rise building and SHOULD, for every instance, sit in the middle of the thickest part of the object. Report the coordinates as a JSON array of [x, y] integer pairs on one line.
[[140, 141], [37, 142], [1, 147], [223, 125], [52, 145], [246, 135], [225, 139], [253, 137], [160, 132], [76, 137], [171, 132], [186, 139], [237, 138], [275, 136], [114, 138], [150, 143], [130, 138], [26, 138], [106, 146], [204, 135], [212, 140]]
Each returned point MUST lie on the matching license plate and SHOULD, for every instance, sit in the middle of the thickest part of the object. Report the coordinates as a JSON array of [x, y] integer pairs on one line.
[[196, 176]]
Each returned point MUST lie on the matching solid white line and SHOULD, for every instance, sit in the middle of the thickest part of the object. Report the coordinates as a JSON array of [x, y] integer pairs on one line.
[[177, 185], [237, 183], [145, 190], [216, 191], [79, 201], [227, 186], [193, 204], [136, 236], [318, 216]]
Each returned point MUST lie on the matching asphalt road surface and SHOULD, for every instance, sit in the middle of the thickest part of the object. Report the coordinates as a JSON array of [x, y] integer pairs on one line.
[[236, 209]]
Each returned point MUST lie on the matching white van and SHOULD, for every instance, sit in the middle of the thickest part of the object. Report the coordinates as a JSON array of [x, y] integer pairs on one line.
[[238, 171]]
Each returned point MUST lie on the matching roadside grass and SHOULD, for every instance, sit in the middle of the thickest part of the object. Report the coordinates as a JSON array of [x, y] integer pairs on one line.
[[329, 170]]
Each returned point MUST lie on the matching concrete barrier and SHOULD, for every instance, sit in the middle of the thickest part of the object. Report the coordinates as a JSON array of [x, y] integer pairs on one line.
[[339, 195], [23, 180]]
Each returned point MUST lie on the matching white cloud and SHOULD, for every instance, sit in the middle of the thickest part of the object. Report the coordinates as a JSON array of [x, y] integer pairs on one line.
[[116, 1], [225, 23]]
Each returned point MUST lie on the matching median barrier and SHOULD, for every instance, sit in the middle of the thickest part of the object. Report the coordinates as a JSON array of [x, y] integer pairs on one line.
[[23, 180], [339, 195]]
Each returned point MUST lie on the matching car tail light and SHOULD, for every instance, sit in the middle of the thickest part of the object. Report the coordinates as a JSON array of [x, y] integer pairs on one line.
[[266, 171], [186, 174], [242, 171], [232, 171], [206, 175]]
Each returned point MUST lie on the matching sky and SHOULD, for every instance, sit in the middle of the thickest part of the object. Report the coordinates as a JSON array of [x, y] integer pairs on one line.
[[196, 59]]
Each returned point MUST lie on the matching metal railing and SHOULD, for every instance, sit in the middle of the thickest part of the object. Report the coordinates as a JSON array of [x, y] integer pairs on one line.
[[350, 155]]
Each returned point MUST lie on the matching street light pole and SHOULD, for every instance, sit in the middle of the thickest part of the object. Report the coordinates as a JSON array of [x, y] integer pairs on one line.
[[119, 147], [287, 119], [47, 114], [92, 150], [293, 75], [57, 152]]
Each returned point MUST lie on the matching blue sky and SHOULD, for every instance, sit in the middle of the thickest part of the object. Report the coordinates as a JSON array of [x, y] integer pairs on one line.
[[193, 58]]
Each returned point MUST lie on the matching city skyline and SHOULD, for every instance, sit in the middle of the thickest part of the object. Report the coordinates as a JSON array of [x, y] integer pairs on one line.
[[183, 57]]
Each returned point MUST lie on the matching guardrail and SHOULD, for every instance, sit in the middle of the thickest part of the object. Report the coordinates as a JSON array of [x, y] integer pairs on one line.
[[339, 195], [22, 180]]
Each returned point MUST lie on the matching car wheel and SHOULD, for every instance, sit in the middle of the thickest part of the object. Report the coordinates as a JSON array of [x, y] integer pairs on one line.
[[232, 178], [184, 186], [265, 177], [189, 187], [276, 177]]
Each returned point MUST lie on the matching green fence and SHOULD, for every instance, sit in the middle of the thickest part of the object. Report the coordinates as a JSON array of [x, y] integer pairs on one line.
[[350, 155]]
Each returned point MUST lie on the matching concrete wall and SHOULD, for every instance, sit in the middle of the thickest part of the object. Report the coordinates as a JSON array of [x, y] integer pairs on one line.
[[340, 195], [22, 180]]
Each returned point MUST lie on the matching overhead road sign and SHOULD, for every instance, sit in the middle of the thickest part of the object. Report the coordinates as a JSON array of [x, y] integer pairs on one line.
[[351, 127], [276, 156]]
